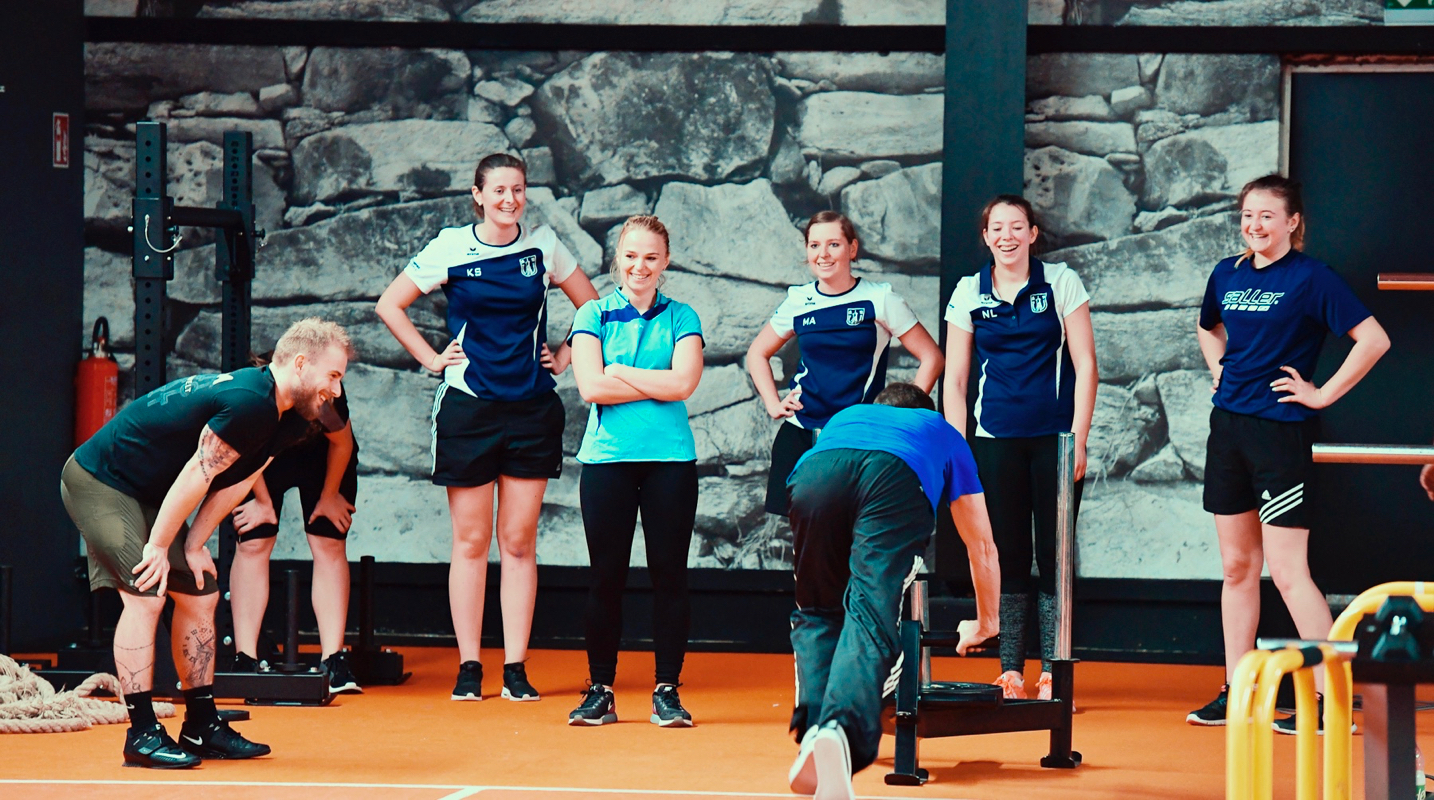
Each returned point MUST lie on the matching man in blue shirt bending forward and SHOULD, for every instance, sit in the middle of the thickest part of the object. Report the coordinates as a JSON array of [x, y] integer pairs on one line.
[[864, 505]]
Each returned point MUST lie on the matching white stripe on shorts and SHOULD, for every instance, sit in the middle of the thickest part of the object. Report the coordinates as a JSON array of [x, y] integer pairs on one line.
[[1282, 503]]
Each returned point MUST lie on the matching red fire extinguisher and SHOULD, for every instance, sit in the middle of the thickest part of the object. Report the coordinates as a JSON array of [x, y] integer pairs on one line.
[[96, 385]]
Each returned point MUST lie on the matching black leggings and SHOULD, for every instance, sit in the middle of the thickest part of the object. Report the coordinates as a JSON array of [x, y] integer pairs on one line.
[[1019, 477], [612, 494]]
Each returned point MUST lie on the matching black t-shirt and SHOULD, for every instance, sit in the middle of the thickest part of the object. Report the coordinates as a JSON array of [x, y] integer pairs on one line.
[[143, 449], [303, 437]]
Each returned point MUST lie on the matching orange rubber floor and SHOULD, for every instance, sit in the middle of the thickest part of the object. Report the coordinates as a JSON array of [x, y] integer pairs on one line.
[[411, 742]]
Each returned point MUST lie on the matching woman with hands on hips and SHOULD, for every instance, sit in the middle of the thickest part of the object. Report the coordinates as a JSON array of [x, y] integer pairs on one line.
[[844, 325], [497, 421], [1262, 324]]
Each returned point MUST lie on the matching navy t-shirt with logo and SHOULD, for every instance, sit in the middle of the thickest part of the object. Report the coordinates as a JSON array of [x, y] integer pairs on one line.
[[1026, 386], [142, 450], [1274, 316], [844, 341], [497, 305]]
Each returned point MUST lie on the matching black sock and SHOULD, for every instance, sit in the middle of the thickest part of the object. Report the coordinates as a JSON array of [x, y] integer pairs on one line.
[[199, 706], [141, 710]]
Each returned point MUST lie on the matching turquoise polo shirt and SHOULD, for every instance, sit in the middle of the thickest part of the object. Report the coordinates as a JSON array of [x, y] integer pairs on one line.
[[643, 430]]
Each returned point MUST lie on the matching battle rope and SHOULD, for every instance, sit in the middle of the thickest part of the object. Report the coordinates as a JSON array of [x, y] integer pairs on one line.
[[29, 704]]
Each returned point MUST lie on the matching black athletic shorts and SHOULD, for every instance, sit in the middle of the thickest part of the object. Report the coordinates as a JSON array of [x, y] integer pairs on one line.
[[790, 445], [475, 441], [1254, 464], [304, 467]]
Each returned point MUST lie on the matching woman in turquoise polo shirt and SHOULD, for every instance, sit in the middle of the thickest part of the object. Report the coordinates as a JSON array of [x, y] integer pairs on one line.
[[637, 355]]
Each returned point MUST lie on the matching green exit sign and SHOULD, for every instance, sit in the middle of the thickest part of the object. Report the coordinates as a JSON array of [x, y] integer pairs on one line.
[[1409, 12]]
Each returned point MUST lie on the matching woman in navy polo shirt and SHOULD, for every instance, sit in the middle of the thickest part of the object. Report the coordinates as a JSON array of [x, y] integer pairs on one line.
[[637, 355], [843, 324], [1262, 325], [497, 420], [1028, 324]]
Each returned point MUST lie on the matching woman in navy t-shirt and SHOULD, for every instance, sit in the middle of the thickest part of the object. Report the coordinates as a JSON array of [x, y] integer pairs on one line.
[[1027, 325], [1262, 324], [497, 421]]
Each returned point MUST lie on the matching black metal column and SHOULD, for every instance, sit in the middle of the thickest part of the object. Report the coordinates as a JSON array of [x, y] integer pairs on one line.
[[234, 269], [983, 152], [153, 261]]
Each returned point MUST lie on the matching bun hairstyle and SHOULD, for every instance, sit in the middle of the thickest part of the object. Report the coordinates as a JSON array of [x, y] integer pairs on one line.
[[645, 222], [847, 229], [1291, 194], [490, 163]]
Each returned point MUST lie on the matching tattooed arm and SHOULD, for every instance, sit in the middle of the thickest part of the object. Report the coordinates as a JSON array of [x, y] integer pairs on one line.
[[212, 457], [212, 511]]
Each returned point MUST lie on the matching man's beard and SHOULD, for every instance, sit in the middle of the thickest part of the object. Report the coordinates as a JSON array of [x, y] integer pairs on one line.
[[307, 402]]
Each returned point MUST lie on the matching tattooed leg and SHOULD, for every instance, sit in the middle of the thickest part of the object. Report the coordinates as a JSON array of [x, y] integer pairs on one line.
[[194, 639], [134, 642]]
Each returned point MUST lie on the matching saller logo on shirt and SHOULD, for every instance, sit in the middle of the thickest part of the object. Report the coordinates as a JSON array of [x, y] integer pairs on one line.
[[1250, 300]]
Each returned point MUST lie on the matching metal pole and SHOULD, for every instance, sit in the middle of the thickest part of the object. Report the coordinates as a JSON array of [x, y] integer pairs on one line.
[[6, 575], [96, 624], [365, 604], [920, 613], [291, 625], [1065, 541], [1373, 454]]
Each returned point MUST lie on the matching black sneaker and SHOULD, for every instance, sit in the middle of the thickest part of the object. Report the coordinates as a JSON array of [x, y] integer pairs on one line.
[[247, 663], [341, 678], [1287, 725], [218, 740], [1213, 712], [667, 710], [515, 684], [598, 707], [470, 681], [153, 748]]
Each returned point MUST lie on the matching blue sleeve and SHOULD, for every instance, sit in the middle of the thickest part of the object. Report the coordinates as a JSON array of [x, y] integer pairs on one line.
[[588, 319], [685, 323], [1332, 302], [1210, 306], [961, 476]]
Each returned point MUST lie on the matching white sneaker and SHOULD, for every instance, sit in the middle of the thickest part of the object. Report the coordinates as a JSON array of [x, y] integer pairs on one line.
[[802, 777], [832, 754]]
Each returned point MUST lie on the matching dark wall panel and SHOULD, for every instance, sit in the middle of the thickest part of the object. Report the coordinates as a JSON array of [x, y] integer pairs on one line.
[[1356, 144], [41, 275]]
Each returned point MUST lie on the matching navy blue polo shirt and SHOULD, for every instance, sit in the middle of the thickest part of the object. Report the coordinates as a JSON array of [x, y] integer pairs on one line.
[[1026, 384], [497, 306], [844, 341], [934, 450], [1274, 316]]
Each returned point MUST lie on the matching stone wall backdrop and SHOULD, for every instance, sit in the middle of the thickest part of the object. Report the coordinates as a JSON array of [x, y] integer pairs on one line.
[[759, 12], [577, 12], [1134, 162], [364, 154]]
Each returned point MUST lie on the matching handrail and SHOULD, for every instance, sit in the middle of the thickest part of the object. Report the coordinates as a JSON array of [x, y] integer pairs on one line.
[[1372, 454], [1406, 281]]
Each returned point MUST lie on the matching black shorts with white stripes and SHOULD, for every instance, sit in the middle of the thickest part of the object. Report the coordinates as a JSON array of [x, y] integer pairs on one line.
[[1254, 464], [475, 441]]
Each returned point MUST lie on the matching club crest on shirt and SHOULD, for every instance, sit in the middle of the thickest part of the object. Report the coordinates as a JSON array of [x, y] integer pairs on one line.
[[1039, 303], [528, 265], [855, 316]]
